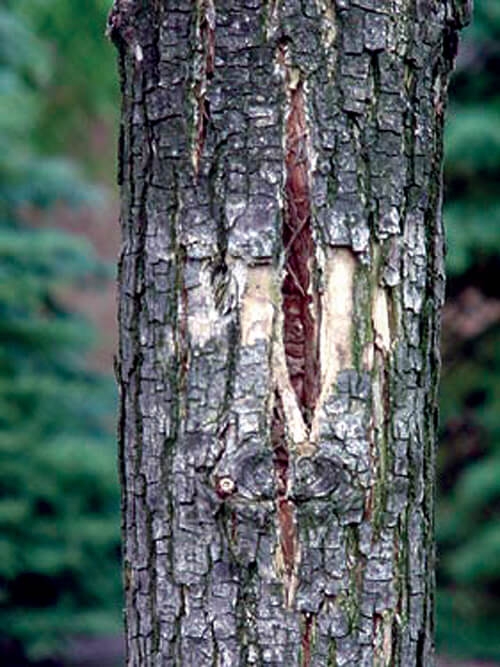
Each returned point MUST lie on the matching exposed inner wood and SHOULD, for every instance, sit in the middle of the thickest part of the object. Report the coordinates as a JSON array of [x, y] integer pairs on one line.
[[257, 311], [300, 306], [316, 340], [380, 319], [336, 324], [256, 289], [300, 316]]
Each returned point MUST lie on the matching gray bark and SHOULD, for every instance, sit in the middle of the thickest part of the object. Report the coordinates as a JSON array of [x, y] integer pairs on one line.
[[281, 278]]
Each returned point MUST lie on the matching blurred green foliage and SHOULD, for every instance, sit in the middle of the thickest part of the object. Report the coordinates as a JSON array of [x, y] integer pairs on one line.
[[80, 97], [468, 519], [59, 527]]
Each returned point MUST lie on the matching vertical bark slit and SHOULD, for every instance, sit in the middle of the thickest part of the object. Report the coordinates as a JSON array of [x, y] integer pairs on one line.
[[300, 320], [307, 639], [207, 39], [288, 541], [300, 304]]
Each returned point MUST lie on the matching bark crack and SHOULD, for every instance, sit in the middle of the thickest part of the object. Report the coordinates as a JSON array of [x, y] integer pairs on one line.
[[288, 546], [300, 303], [307, 632], [300, 319], [202, 111]]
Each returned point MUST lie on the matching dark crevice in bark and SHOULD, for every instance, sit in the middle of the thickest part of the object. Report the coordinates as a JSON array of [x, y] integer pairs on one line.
[[201, 130], [121, 156], [207, 39], [421, 653], [375, 70], [300, 307], [247, 613], [288, 538], [177, 624], [182, 324], [395, 635], [300, 315], [307, 639], [220, 274], [281, 454]]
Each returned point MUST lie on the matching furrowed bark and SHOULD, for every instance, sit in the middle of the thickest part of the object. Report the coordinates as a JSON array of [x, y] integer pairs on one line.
[[280, 285]]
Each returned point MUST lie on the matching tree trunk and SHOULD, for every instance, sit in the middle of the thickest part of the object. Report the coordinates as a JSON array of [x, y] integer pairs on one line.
[[281, 279]]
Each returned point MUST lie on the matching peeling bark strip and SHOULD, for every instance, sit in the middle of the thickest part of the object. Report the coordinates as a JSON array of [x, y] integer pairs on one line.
[[280, 282]]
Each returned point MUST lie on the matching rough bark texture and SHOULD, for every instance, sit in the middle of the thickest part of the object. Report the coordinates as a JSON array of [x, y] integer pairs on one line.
[[281, 278]]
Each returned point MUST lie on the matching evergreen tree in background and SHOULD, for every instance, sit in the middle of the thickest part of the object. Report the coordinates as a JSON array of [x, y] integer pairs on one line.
[[59, 529], [468, 514], [78, 113]]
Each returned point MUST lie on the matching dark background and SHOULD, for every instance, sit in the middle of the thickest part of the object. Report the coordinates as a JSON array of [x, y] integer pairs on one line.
[[60, 596]]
